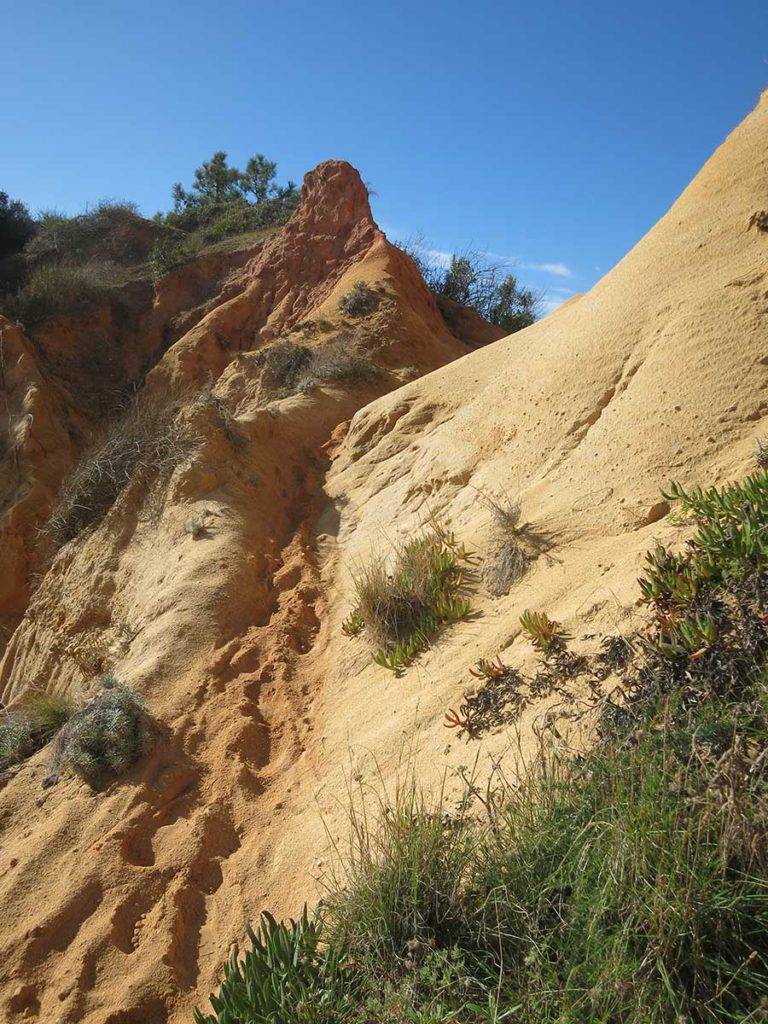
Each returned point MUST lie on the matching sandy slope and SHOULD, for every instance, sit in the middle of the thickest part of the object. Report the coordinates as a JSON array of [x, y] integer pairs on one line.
[[122, 905]]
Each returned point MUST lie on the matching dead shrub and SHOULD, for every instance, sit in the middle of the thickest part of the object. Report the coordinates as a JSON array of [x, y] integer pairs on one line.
[[513, 544], [338, 362], [360, 300], [146, 441], [208, 399], [289, 369], [282, 365]]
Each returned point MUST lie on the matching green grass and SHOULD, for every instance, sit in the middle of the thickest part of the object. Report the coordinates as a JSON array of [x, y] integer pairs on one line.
[[284, 976], [31, 725], [626, 886], [404, 600]]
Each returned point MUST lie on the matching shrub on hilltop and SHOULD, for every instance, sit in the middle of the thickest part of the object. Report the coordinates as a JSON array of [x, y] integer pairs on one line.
[[224, 200], [471, 279]]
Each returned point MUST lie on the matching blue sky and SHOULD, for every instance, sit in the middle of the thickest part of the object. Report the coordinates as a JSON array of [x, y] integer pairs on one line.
[[550, 133]]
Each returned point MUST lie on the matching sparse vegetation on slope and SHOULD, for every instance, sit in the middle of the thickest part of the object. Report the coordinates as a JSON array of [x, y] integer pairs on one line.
[[31, 725], [630, 884], [288, 368], [360, 300], [403, 600], [147, 440], [56, 289], [69, 263], [112, 230], [106, 737]]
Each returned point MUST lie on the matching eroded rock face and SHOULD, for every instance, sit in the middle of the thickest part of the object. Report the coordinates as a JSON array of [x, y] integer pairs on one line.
[[200, 587], [219, 591]]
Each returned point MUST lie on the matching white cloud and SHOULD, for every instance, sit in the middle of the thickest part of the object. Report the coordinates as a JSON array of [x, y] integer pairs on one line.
[[558, 269], [442, 259]]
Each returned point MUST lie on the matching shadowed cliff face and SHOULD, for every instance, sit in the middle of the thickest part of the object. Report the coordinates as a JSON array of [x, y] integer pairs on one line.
[[200, 586]]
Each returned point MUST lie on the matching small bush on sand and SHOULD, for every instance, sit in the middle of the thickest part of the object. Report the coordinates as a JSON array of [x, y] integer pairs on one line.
[[31, 725], [761, 452], [403, 600], [106, 737], [360, 300], [147, 440]]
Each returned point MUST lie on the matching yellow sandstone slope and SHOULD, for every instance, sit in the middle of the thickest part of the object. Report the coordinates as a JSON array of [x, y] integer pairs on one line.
[[120, 906]]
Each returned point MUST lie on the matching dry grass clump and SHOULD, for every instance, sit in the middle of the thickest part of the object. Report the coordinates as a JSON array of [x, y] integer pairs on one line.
[[31, 725], [106, 737], [513, 544], [60, 288], [508, 557], [403, 600], [337, 362], [282, 366], [147, 440], [360, 300], [289, 369], [761, 452]]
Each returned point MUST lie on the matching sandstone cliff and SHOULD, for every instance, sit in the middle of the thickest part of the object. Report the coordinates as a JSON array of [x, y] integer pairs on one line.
[[123, 904]]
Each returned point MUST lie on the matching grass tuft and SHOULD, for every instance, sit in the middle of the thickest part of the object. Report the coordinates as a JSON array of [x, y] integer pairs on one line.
[[404, 600], [31, 725]]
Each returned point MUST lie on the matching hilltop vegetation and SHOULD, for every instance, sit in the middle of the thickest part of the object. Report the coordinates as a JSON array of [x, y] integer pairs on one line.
[[471, 279], [54, 264]]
